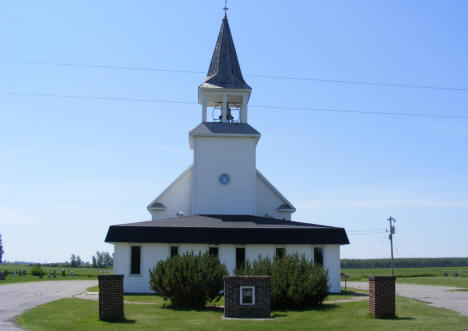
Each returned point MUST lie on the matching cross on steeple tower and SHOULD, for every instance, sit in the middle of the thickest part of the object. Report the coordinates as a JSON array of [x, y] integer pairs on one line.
[[225, 8], [224, 87]]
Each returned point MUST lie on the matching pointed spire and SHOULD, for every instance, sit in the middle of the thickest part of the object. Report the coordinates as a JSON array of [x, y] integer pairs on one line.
[[224, 69]]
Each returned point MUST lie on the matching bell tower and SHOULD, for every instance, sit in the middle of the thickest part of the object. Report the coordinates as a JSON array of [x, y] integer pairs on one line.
[[224, 90], [224, 144]]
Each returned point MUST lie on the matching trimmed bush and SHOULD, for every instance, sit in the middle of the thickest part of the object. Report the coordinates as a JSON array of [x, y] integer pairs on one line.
[[189, 280], [295, 281]]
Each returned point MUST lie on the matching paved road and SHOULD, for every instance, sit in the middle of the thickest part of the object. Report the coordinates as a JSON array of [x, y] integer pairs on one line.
[[17, 298], [437, 296]]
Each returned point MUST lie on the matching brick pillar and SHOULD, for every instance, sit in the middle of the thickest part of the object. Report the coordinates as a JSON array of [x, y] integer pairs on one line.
[[111, 307], [382, 296], [261, 308]]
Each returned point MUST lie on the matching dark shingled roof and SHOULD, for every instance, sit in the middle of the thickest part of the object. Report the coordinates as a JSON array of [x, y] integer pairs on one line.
[[226, 229], [157, 205], [209, 128], [224, 68], [285, 206]]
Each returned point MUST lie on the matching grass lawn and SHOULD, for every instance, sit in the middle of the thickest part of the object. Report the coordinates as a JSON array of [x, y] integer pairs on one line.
[[152, 298], [28, 278], [79, 273], [77, 314]]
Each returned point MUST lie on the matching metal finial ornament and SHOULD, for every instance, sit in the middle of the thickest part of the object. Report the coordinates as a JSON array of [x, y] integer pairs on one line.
[[225, 8]]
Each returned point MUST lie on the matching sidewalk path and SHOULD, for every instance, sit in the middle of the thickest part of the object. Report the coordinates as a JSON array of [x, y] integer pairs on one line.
[[437, 296], [17, 298]]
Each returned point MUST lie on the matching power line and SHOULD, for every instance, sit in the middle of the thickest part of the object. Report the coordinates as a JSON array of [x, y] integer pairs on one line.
[[338, 110], [366, 234], [277, 77], [96, 98], [368, 230], [334, 110], [99, 66]]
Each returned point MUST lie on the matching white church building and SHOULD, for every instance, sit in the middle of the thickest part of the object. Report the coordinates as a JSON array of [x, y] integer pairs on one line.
[[221, 203]]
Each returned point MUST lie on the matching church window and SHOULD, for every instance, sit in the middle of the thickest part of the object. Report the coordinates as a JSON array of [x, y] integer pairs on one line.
[[318, 255], [280, 252], [135, 260], [240, 257], [214, 251], [174, 251]]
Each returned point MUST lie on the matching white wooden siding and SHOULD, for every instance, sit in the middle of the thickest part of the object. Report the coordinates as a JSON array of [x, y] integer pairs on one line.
[[176, 198], [268, 201], [214, 156], [152, 253], [331, 262]]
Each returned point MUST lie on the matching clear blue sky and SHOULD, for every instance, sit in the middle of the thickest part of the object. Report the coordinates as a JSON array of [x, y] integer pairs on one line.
[[69, 168]]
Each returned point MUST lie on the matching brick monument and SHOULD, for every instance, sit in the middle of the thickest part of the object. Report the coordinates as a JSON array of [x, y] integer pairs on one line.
[[111, 306], [247, 296], [382, 296]]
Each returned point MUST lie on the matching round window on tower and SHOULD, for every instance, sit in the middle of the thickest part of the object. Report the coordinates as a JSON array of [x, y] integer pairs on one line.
[[224, 178]]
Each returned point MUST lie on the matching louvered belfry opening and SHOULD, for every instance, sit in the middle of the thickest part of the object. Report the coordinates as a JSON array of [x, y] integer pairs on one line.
[[224, 90]]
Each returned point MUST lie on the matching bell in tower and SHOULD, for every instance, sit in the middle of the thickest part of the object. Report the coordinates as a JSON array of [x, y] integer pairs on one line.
[[224, 89]]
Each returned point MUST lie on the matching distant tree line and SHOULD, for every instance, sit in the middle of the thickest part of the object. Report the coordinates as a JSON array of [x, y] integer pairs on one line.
[[406, 262], [75, 261], [103, 260]]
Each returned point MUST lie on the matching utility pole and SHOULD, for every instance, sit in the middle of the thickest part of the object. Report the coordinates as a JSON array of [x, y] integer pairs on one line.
[[390, 236]]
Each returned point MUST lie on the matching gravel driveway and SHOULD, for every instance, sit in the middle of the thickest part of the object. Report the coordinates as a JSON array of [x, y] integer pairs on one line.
[[437, 296], [17, 298]]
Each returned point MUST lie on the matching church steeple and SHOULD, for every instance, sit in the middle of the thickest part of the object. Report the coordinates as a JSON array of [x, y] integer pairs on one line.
[[224, 68], [224, 88]]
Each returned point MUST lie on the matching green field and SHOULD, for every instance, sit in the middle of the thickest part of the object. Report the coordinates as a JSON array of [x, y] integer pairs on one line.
[[421, 276], [79, 273], [77, 314], [359, 274]]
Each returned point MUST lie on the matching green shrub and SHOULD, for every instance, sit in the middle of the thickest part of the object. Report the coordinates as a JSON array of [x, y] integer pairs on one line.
[[295, 281], [37, 270], [189, 280]]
